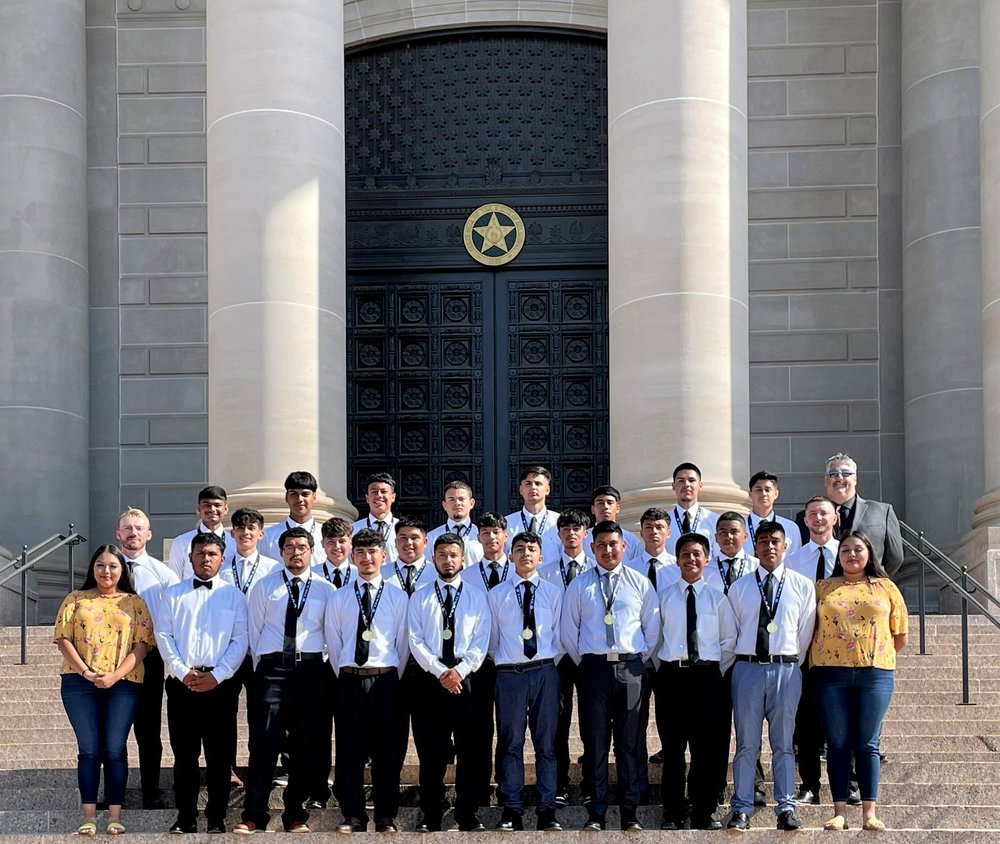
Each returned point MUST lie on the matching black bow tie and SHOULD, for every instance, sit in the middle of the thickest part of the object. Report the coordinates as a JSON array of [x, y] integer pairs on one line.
[[206, 583]]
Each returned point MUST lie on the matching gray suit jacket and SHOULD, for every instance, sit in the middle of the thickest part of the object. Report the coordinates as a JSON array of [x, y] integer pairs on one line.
[[878, 520]]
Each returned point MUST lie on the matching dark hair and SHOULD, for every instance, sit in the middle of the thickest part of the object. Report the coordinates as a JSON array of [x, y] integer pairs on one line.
[[572, 518], [732, 516], [528, 471], [680, 467], [246, 516], [125, 583], [301, 480], [368, 538], [490, 520], [524, 537], [688, 538], [457, 485], [335, 526], [208, 538], [410, 522], [450, 539], [212, 493], [608, 527], [817, 498], [380, 478], [295, 533], [762, 476], [873, 568], [654, 514], [606, 489], [768, 528]]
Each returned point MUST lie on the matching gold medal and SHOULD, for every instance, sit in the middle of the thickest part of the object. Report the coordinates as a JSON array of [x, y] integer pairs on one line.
[[446, 633], [772, 627], [527, 633], [609, 619], [366, 635]]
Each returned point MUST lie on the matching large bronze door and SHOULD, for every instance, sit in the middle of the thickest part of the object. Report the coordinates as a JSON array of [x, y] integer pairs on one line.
[[473, 375]]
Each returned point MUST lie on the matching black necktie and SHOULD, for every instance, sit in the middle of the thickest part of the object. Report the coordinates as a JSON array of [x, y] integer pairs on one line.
[[408, 586], [686, 524], [530, 644], [652, 572], [206, 583], [820, 566], [364, 618], [338, 578], [572, 570], [448, 644], [533, 524], [291, 626], [844, 524], [381, 528], [763, 619], [494, 575], [692, 625], [729, 571]]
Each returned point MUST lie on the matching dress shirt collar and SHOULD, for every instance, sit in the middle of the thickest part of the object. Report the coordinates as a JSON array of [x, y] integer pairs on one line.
[[452, 526], [849, 504], [343, 567], [768, 518], [241, 560], [142, 559], [698, 585], [692, 511], [540, 515], [386, 519], [417, 564], [215, 581], [500, 561], [580, 559], [376, 582], [777, 574], [533, 579], [303, 577], [740, 556], [617, 570], [454, 584], [310, 526], [662, 557], [830, 546], [203, 528]]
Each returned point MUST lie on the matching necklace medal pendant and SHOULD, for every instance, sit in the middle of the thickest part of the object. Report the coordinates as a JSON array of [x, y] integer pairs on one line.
[[527, 633], [772, 627], [367, 635], [609, 619], [446, 633]]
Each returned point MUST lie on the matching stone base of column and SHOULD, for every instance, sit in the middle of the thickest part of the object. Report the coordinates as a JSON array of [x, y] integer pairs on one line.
[[715, 496], [270, 500], [980, 552]]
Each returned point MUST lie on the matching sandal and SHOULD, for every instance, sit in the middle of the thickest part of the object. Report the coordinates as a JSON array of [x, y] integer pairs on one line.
[[116, 828], [873, 824], [86, 828], [836, 824]]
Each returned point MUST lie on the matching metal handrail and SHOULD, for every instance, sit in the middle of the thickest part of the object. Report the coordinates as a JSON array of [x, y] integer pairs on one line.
[[27, 560], [965, 586]]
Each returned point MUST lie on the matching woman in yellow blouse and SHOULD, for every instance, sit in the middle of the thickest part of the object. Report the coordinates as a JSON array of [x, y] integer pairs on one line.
[[103, 631], [861, 623]]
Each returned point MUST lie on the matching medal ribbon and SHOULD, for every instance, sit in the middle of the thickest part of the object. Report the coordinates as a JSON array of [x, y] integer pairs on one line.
[[402, 579], [694, 523], [454, 604], [302, 598], [608, 600], [243, 587], [486, 579], [773, 608], [368, 619]]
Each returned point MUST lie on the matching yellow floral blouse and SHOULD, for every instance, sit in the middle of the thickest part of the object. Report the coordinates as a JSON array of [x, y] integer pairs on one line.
[[855, 623], [104, 630]]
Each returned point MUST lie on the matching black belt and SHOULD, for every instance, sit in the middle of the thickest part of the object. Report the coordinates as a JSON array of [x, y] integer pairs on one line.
[[766, 660], [689, 663], [520, 667], [202, 668], [365, 672], [614, 657], [299, 656]]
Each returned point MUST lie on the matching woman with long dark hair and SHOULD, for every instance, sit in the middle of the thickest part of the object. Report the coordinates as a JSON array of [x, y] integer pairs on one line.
[[861, 623], [103, 631]]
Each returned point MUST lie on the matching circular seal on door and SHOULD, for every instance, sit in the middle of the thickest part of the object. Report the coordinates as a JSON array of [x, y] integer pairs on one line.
[[494, 234]]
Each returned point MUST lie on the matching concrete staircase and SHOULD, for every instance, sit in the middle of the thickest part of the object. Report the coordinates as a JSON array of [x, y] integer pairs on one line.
[[942, 781]]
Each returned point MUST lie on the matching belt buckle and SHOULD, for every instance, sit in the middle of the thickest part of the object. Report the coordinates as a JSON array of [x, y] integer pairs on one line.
[[613, 656], [298, 656]]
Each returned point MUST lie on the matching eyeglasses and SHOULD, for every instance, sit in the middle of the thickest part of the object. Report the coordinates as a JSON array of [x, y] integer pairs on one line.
[[840, 473]]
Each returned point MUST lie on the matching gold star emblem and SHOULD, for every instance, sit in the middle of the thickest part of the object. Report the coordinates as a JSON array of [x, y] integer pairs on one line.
[[494, 234], [487, 233]]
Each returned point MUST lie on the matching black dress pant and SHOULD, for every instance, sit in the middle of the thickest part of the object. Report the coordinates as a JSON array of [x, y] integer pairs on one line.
[[689, 714], [441, 717], [567, 685], [364, 706], [148, 719], [809, 734], [199, 720], [610, 702], [286, 703], [483, 692], [243, 679], [409, 685]]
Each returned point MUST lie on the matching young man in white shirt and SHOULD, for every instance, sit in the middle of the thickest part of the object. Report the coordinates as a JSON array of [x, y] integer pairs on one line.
[[689, 516], [730, 561], [764, 493], [150, 577], [457, 501], [300, 496], [336, 568], [535, 486], [213, 505], [606, 506], [203, 636], [380, 495]]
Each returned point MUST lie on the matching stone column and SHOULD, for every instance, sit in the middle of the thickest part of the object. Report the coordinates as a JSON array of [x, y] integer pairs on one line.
[[677, 185], [942, 297], [276, 216], [43, 271]]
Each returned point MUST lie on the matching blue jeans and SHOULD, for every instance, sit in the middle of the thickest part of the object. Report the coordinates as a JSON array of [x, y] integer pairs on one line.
[[853, 702], [101, 719]]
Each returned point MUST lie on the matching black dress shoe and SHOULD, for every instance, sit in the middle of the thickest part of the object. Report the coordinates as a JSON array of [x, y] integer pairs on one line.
[[315, 804], [216, 827], [708, 823], [386, 825], [853, 796], [788, 821], [808, 795], [349, 825], [670, 824], [562, 797], [738, 820], [547, 821], [759, 797], [630, 823], [657, 758], [153, 803], [594, 823], [426, 823], [182, 826], [510, 822], [471, 824]]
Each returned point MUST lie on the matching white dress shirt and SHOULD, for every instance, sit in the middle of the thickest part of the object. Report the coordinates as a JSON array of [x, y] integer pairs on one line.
[[792, 532], [267, 603], [395, 574], [472, 627], [634, 606], [477, 577], [546, 528], [150, 577], [268, 545], [203, 626], [470, 539], [805, 559], [246, 572], [506, 607], [717, 568], [556, 572], [389, 646], [634, 547], [667, 571], [180, 549], [388, 532], [794, 615], [328, 571], [702, 521], [716, 623]]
